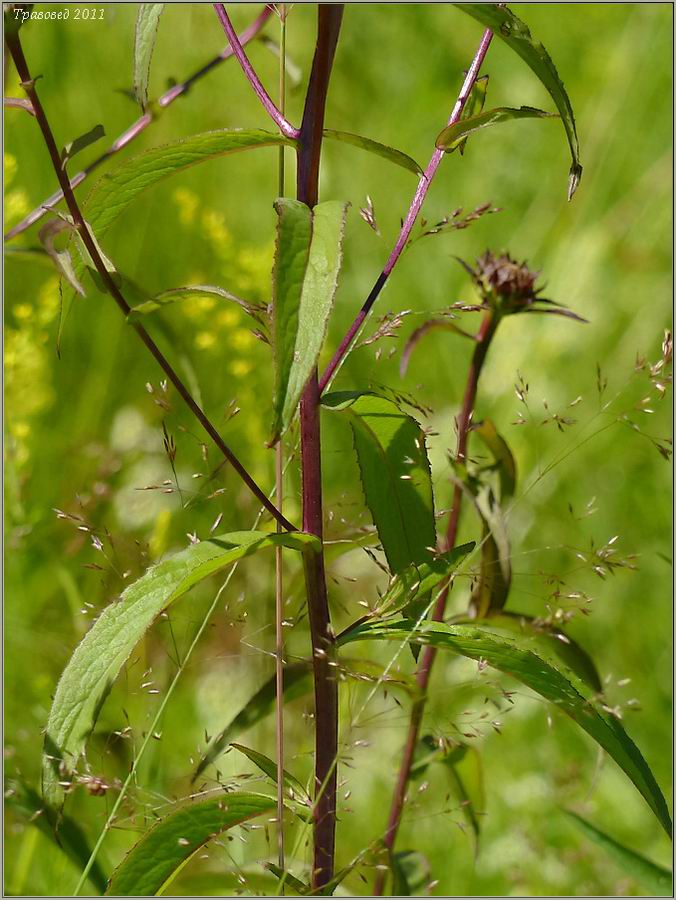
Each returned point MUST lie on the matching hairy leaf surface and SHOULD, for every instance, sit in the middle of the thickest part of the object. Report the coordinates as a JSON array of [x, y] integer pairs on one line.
[[305, 277], [98, 659], [516, 34], [395, 475], [557, 684]]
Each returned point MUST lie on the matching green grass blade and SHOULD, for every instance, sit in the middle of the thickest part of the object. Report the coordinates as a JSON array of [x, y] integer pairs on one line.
[[558, 685], [307, 262], [516, 34], [395, 475], [295, 789], [654, 878], [116, 190], [389, 153], [174, 839], [147, 22], [453, 136], [98, 659]]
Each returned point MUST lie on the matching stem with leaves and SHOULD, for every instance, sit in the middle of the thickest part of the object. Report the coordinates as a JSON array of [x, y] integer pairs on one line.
[[309, 144], [323, 641], [416, 205], [28, 84], [140, 125], [483, 339]]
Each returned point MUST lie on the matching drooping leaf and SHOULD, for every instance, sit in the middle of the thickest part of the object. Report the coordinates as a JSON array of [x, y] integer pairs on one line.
[[395, 475], [165, 847], [654, 878], [116, 190], [410, 873], [193, 293], [294, 788], [297, 683], [22, 799], [545, 639], [80, 143], [475, 104], [61, 258], [555, 683], [495, 575], [98, 659], [502, 456], [419, 334], [382, 150], [305, 277], [516, 34], [452, 137], [147, 21]]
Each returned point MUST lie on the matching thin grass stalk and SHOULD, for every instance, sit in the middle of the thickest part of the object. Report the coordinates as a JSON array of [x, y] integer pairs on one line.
[[28, 84]]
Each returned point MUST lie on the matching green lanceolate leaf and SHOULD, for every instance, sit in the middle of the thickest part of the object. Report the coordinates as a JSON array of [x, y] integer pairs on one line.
[[97, 661], [192, 293], [23, 800], [293, 786], [515, 33], [80, 143], [654, 878], [495, 576], [395, 475], [382, 150], [305, 277], [452, 137], [555, 683], [116, 190], [546, 640], [474, 105], [503, 458], [162, 850], [416, 583], [147, 21], [297, 683]]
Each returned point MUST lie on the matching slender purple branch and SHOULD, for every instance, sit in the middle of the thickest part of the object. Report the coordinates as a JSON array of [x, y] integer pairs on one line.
[[28, 84], [284, 126], [178, 90], [411, 216]]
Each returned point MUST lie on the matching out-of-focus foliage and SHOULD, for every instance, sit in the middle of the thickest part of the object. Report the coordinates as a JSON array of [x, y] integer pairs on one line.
[[589, 528]]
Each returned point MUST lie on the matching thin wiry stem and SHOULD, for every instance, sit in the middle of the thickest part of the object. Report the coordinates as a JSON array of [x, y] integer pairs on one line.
[[28, 85], [411, 216], [277, 117], [483, 340], [137, 127]]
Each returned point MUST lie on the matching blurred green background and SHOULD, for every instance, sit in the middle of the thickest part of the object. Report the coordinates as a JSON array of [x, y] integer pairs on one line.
[[84, 432]]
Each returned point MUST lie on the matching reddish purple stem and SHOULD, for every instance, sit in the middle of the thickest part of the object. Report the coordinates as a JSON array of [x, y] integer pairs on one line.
[[141, 124], [284, 126], [411, 216]]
